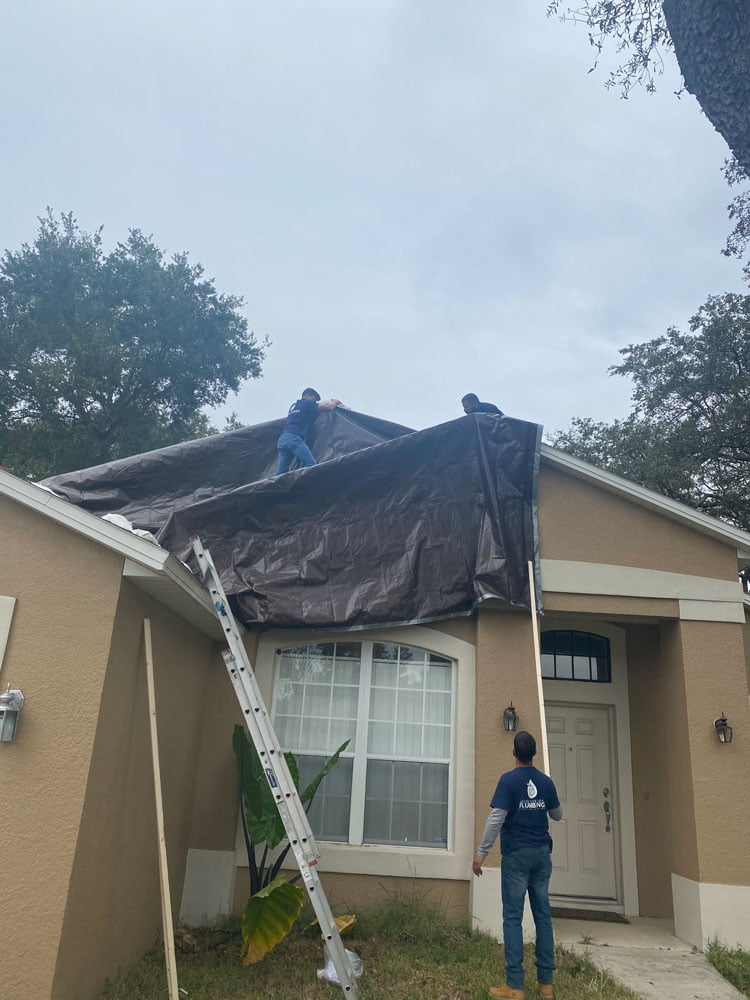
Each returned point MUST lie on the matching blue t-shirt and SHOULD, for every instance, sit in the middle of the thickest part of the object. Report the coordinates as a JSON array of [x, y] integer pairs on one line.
[[526, 794], [301, 418]]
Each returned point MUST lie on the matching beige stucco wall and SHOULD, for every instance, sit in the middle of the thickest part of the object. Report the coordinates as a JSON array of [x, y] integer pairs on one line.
[[67, 589], [215, 813], [505, 672], [114, 884], [350, 893], [715, 681], [691, 794], [658, 739], [583, 522]]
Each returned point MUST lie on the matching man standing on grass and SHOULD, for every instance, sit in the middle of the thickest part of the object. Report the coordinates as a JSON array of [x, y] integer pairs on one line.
[[299, 424], [522, 800]]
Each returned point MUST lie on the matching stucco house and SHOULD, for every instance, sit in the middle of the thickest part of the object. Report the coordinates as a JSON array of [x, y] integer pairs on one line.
[[643, 646]]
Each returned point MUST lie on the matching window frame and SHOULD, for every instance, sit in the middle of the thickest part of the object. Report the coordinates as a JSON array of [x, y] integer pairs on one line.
[[383, 859], [574, 632], [361, 755]]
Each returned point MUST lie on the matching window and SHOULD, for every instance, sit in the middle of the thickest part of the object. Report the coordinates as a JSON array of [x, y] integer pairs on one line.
[[576, 656], [394, 703]]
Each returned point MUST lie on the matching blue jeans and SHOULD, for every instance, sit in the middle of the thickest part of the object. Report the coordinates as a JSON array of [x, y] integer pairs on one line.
[[292, 446], [527, 870]]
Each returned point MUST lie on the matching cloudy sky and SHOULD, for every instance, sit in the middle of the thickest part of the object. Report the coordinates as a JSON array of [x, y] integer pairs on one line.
[[415, 198]]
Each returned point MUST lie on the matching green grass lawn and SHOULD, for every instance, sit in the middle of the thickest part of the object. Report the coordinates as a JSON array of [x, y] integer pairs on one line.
[[732, 963], [409, 952]]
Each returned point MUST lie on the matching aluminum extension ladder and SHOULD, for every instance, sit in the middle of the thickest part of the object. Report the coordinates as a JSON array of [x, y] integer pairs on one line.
[[282, 786]]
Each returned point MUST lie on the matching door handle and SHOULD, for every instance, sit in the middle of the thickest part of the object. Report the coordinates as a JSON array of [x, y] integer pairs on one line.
[[608, 814]]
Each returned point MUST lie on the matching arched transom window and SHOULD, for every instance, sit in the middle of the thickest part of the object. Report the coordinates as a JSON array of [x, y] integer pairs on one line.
[[568, 655], [395, 704]]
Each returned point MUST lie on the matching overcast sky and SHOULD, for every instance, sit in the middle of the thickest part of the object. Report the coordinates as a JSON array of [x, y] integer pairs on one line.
[[415, 198]]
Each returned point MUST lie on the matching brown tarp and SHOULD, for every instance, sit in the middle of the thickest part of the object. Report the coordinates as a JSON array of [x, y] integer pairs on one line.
[[390, 527]]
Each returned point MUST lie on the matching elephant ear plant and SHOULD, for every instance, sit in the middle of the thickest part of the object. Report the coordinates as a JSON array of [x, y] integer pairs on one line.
[[275, 900]]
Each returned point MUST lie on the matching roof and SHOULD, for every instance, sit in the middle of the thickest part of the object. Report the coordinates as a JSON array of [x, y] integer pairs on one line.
[[213, 471], [392, 526]]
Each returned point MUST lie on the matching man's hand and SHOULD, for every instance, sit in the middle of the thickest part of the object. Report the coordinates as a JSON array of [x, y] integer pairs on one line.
[[476, 865]]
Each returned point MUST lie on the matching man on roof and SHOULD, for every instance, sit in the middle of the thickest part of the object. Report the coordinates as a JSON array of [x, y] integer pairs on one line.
[[298, 427], [471, 404]]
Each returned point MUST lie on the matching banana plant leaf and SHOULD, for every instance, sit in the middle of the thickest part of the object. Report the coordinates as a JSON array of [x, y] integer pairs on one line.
[[312, 788], [268, 918], [264, 824]]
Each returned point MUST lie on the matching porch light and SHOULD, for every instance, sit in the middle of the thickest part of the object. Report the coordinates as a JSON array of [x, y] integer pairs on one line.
[[510, 719], [11, 703], [723, 729]]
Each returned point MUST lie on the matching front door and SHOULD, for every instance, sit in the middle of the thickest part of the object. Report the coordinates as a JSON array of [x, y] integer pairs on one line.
[[583, 859]]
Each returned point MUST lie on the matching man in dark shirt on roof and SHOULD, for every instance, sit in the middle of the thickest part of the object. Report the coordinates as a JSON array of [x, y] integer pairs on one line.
[[471, 404], [522, 800], [299, 423]]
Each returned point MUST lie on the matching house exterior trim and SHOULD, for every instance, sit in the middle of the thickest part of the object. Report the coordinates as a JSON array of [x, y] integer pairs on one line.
[[381, 859], [569, 577], [695, 519], [7, 606], [148, 565], [705, 910]]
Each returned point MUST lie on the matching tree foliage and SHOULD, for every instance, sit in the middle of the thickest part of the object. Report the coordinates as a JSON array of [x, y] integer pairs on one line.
[[104, 355], [638, 30], [688, 435], [711, 40]]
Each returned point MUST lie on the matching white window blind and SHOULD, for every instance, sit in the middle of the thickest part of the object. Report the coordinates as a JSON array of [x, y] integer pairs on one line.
[[394, 703]]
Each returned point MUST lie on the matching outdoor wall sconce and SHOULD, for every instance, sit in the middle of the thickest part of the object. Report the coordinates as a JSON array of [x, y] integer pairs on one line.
[[510, 719], [723, 729], [11, 703]]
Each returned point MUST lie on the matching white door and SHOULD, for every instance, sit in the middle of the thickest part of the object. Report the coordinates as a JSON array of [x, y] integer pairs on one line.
[[583, 859]]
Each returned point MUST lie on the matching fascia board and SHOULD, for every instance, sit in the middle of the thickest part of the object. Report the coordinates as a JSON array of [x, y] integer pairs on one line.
[[81, 521], [144, 561], [178, 589], [673, 509]]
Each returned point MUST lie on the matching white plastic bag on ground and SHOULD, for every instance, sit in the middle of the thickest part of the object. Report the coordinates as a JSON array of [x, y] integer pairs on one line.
[[329, 974]]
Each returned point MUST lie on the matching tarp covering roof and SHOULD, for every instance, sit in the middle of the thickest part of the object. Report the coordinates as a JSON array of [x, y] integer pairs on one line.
[[390, 527], [148, 488]]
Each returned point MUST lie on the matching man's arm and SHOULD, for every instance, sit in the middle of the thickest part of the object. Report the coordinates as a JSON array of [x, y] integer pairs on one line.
[[555, 813], [330, 405], [492, 828]]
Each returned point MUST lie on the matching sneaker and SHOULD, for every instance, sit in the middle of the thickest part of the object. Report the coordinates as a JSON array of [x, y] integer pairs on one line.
[[506, 993], [546, 990]]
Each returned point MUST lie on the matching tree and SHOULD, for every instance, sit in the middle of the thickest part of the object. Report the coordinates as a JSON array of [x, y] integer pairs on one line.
[[688, 435], [711, 39], [107, 355]]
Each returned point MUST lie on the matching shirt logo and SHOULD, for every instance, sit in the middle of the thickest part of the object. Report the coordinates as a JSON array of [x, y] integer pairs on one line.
[[531, 790]]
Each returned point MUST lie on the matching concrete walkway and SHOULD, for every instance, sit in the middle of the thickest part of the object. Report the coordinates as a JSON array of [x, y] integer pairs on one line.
[[646, 957]]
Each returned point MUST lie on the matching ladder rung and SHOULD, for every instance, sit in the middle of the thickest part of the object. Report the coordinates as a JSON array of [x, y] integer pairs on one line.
[[285, 792]]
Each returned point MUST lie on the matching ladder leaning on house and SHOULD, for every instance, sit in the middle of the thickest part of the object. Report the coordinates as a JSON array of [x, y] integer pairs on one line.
[[282, 786]]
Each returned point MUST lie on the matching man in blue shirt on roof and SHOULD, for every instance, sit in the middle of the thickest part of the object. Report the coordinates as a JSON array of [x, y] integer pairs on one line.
[[522, 800], [472, 404], [299, 424]]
